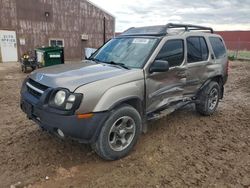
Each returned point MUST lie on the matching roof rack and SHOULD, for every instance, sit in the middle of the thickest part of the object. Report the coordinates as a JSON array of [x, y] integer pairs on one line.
[[189, 27], [161, 30], [158, 30]]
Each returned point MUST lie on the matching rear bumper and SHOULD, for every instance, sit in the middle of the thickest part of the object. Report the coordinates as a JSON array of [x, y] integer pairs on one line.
[[82, 130]]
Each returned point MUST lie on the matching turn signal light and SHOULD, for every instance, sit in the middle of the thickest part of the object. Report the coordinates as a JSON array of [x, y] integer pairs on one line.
[[85, 116]]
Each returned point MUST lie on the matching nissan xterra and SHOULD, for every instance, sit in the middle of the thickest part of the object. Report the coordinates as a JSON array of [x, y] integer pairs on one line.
[[141, 75]]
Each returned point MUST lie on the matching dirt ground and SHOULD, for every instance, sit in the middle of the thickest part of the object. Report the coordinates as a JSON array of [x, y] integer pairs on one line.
[[182, 150]]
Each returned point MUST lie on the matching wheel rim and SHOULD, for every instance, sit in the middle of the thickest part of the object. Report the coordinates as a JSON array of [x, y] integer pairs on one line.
[[121, 133], [213, 98]]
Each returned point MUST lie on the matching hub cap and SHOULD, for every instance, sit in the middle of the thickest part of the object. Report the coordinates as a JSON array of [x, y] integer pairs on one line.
[[213, 98], [122, 133]]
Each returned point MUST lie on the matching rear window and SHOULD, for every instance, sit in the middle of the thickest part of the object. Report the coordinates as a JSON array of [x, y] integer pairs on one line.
[[218, 47]]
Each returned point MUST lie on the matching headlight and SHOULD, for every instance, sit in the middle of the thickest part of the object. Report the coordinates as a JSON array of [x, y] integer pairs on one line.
[[70, 102], [60, 98], [63, 99]]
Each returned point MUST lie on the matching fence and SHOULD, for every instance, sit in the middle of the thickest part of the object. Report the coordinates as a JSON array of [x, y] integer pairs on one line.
[[238, 49]]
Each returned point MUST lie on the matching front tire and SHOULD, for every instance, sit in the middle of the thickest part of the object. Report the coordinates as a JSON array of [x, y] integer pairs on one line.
[[119, 133], [208, 99]]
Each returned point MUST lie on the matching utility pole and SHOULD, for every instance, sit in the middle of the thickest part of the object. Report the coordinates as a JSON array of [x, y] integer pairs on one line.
[[104, 30]]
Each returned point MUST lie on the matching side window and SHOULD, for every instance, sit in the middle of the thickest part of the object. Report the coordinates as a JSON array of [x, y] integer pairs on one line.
[[218, 47], [196, 49], [204, 49], [173, 52], [56, 42]]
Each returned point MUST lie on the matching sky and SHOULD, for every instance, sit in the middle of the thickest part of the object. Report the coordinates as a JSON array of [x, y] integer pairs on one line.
[[219, 14]]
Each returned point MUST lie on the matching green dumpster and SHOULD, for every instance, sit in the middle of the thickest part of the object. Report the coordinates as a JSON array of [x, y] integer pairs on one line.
[[49, 56]]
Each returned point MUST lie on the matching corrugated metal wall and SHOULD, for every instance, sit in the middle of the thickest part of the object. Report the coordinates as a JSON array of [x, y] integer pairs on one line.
[[236, 40], [67, 20]]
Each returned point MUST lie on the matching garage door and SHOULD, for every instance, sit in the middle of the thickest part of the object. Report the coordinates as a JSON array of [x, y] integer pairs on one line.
[[8, 46]]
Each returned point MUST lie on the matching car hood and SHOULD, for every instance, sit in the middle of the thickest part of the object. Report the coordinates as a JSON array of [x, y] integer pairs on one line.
[[71, 76]]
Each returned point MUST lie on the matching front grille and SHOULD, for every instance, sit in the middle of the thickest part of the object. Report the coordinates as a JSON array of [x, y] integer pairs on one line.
[[33, 92], [38, 85], [34, 88]]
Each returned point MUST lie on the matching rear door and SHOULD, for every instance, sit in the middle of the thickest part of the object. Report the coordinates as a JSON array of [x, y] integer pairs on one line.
[[197, 62], [166, 87], [220, 55]]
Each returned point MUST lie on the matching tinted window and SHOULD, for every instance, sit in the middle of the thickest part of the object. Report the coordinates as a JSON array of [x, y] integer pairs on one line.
[[173, 52], [204, 49], [218, 47], [197, 49]]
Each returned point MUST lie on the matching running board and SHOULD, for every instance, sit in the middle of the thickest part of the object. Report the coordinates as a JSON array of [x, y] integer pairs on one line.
[[169, 110]]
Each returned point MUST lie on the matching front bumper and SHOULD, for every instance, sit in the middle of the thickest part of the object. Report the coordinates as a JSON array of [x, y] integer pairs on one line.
[[82, 130]]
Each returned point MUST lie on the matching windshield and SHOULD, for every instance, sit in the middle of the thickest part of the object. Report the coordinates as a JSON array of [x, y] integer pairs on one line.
[[132, 52]]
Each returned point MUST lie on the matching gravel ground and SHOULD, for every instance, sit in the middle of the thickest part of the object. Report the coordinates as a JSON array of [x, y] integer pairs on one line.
[[183, 149]]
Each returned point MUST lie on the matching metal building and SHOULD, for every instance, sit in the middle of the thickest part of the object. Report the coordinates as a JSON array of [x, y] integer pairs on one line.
[[74, 24], [236, 40]]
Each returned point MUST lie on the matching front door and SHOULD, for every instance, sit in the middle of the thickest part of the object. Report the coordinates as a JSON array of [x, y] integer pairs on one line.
[[8, 46], [166, 87]]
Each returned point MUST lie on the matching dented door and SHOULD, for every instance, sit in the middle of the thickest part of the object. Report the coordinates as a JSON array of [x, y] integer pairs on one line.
[[166, 87]]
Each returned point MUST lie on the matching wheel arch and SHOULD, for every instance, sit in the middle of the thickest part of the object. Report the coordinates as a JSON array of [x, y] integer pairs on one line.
[[133, 101], [218, 79], [136, 103]]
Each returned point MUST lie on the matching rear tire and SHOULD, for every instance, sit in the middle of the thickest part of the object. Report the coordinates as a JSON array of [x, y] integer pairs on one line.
[[208, 99], [119, 133]]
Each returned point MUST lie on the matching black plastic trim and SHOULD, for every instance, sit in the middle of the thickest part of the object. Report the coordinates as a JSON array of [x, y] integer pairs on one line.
[[82, 130]]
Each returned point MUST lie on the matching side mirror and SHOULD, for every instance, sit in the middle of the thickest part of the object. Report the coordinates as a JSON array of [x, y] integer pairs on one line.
[[159, 66]]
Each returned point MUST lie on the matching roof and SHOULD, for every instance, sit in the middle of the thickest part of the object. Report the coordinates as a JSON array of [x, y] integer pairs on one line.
[[162, 30], [100, 8]]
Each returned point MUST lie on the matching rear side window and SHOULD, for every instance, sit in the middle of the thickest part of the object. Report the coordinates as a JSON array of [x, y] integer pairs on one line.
[[196, 49], [173, 52], [218, 47]]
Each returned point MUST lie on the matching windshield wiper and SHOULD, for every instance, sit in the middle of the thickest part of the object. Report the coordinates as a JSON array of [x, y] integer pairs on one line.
[[119, 64], [109, 62], [94, 59]]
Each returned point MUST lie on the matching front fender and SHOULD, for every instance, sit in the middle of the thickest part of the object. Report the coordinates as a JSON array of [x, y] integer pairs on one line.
[[99, 96], [120, 93]]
